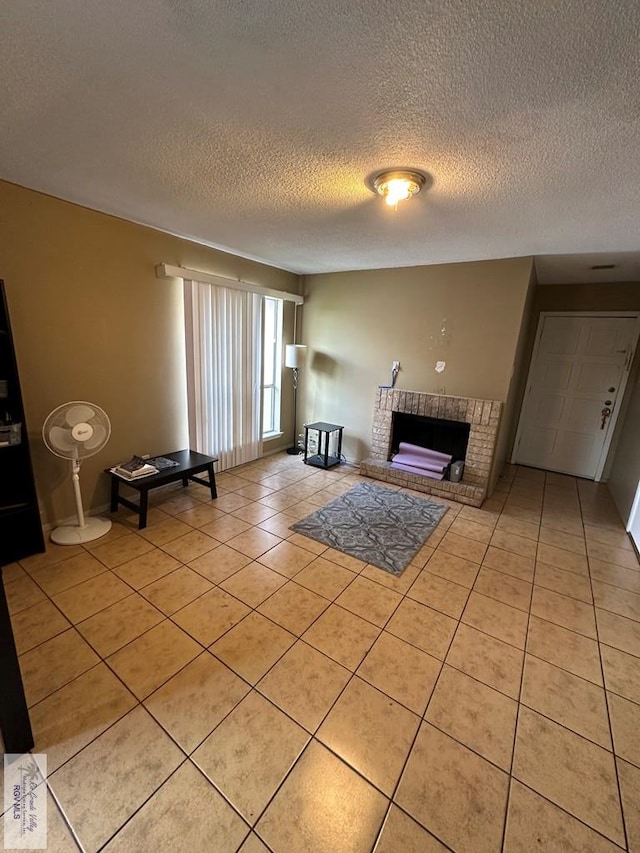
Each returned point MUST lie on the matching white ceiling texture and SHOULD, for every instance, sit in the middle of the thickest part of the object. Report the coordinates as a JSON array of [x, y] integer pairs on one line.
[[251, 125]]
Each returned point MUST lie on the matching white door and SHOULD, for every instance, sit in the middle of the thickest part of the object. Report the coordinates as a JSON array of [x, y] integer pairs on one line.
[[633, 524], [578, 372]]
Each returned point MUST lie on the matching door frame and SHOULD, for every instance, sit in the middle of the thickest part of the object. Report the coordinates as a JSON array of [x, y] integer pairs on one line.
[[623, 315]]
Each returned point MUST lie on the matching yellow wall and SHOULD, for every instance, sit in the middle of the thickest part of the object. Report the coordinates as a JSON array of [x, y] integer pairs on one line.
[[91, 322], [357, 323]]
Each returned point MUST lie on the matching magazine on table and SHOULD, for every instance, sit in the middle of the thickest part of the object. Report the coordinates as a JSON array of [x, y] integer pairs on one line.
[[136, 467]]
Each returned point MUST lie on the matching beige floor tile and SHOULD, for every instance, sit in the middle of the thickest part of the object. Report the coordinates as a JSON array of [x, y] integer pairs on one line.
[[512, 542], [254, 513], [522, 528], [91, 596], [254, 542], [534, 823], [54, 663], [324, 577], [442, 771], [253, 491], [454, 569], [620, 601], [36, 625], [22, 593], [305, 684], [231, 502], [306, 544], [253, 845], [252, 646], [190, 546], [249, 754], [619, 632], [108, 780], [423, 627], [504, 588], [253, 584], [570, 771], [178, 502], [497, 619], [68, 573], [198, 516], [323, 806], [150, 660], [69, 719], [531, 516], [569, 700], [398, 583], [117, 625], [294, 607], [564, 648], [625, 725], [566, 583], [511, 564], [565, 611], [192, 703], [562, 559], [616, 538], [280, 525], [343, 636], [441, 594], [630, 791], [371, 733], [145, 569], [471, 529], [160, 823], [52, 555], [491, 661], [209, 617], [402, 833], [345, 560], [369, 600], [558, 539], [165, 531], [219, 564], [461, 546], [483, 515], [121, 551], [287, 558], [401, 671], [565, 522], [615, 575], [621, 673], [475, 715], [609, 554], [226, 527]]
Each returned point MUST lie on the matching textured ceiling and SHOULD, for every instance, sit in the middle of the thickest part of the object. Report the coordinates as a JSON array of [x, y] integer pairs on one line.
[[252, 125]]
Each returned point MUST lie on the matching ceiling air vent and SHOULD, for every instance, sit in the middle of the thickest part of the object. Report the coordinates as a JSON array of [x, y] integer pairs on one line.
[[603, 267]]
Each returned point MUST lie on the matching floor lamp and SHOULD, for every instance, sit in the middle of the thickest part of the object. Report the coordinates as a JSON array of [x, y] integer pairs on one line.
[[294, 357]]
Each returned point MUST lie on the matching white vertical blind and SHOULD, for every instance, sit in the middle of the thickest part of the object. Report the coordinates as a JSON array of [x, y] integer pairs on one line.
[[224, 372]]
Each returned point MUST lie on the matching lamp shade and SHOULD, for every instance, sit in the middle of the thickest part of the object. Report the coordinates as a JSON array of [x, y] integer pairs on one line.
[[295, 355]]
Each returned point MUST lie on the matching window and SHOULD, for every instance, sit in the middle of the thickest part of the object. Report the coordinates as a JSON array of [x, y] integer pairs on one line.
[[271, 366]]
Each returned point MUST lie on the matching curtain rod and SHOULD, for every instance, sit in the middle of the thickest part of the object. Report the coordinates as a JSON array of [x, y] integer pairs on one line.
[[169, 271]]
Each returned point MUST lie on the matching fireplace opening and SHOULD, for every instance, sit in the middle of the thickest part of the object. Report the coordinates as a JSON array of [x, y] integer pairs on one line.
[[450, 437]]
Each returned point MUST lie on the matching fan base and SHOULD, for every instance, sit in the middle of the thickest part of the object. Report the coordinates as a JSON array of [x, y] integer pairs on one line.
[[73, 534]]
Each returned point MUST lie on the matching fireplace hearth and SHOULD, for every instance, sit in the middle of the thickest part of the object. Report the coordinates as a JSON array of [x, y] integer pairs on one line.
[[477, 419]]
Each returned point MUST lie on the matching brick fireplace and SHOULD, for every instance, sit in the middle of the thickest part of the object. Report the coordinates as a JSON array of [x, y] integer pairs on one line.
[[483, 416]]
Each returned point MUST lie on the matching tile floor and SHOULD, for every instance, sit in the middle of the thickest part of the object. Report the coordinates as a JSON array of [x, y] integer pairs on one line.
[[218, 683]]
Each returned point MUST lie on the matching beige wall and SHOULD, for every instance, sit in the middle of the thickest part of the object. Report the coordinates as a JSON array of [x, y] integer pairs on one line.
[[357, 323], [92, 322]]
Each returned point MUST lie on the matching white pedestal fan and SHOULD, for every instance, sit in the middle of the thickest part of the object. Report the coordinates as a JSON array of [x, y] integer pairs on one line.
[[75, 431]]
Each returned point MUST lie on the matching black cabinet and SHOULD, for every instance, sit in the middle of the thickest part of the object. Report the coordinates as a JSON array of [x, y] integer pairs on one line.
[[20, 527]]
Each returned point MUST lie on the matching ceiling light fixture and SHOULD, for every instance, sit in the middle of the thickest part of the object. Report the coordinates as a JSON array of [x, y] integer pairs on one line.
[[397, 185]]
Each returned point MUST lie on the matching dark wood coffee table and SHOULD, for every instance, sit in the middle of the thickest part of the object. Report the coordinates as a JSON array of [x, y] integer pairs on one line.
[[189, 464]]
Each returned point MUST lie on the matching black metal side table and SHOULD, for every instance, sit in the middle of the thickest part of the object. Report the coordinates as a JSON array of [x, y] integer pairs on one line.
[[322, 459]]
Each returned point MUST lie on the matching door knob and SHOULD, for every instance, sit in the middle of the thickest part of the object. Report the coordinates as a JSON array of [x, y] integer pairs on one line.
[[605, 414]]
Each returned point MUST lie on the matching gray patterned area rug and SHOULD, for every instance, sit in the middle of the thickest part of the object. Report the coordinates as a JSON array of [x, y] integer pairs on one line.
[[380, 526]]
